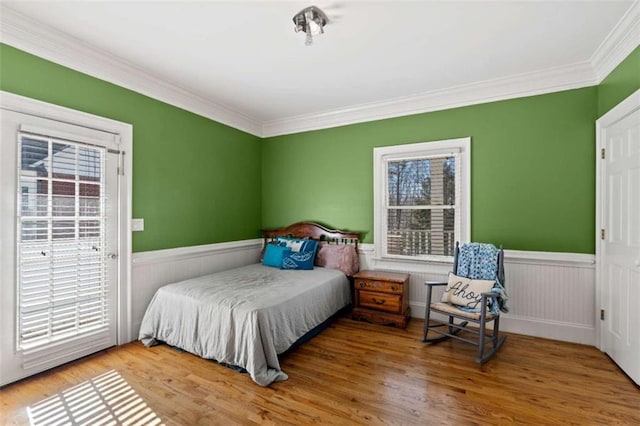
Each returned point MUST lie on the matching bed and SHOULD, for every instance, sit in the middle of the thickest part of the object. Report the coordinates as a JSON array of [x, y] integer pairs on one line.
[[245, 317]]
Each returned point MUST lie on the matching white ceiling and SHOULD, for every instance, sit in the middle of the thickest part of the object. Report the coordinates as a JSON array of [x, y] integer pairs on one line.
[[246, 57]]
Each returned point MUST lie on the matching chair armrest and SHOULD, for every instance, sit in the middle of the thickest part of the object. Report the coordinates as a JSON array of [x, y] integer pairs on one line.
[[434, 283], [489, 294]]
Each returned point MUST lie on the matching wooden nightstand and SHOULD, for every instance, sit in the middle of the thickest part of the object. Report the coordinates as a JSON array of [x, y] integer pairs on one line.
[[381, 297]]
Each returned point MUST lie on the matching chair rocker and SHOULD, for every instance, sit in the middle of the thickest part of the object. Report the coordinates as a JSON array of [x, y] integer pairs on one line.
[[472, 322]]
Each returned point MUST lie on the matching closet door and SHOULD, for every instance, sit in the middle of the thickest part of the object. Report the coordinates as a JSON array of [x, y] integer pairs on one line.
[[59, 228]]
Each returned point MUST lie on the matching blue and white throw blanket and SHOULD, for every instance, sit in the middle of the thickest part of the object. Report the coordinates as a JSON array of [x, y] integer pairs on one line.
[[479, 261]]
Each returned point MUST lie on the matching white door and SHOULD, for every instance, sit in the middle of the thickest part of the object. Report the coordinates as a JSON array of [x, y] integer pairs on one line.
[[58, 243], [620, 242]]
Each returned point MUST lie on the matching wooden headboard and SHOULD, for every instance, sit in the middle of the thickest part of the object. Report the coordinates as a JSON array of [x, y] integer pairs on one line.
[[314, 231]]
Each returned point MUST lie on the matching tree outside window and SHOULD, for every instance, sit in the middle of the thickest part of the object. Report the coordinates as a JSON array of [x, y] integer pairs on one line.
[[421, 206], [421, 200]]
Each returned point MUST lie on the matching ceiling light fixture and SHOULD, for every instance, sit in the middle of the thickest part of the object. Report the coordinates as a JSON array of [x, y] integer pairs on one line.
[[311, 20]]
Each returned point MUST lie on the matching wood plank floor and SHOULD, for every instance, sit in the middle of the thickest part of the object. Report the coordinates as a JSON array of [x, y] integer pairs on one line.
[[353, 372]]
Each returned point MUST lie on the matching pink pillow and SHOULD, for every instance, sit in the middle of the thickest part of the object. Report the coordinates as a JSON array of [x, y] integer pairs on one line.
[[338, 256]]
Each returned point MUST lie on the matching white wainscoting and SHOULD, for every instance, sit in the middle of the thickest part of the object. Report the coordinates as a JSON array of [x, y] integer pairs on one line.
[[551, 295], [153, 269]]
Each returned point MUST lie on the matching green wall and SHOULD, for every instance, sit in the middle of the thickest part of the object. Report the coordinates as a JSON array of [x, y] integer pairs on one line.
[[622, 82], [195, 181], [532, 170], [533, 166]]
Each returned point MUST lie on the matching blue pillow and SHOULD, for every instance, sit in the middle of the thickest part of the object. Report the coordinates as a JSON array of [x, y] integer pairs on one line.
[[303, 259], [299, 260], [274, 254]]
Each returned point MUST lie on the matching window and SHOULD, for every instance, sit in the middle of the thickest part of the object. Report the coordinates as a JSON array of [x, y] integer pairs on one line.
[[63, 290], [421, 199]]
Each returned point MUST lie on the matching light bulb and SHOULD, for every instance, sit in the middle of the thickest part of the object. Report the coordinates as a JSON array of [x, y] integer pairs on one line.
[[314, 27]]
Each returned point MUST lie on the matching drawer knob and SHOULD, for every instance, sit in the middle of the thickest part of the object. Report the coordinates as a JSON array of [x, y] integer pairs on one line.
[[394, 288], [363, 284], [377, 302]]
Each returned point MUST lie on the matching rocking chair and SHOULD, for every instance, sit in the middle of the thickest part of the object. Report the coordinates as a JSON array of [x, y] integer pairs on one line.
[[473, 300]]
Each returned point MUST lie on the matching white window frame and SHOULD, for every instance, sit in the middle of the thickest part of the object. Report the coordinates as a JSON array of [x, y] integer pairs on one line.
[[461, 147]]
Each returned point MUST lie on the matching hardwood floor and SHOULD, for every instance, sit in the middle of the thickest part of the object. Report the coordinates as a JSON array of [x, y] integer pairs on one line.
[[353, 372]]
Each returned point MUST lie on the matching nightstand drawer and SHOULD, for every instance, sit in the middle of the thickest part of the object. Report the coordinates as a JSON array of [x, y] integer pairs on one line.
[[380, 301], [387, 287], [381, 297]]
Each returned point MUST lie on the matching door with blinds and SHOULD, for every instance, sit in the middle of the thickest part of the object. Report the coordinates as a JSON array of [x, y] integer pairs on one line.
[[60, 208]]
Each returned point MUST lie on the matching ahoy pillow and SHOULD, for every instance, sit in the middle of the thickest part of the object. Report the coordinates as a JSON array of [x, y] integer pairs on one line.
[[466, 292]]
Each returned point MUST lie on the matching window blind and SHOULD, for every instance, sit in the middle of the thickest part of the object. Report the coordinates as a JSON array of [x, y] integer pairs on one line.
[[421, 205], [62, 277]]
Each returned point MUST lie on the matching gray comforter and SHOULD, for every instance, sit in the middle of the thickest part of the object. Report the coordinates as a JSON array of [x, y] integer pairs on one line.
[[245, 316]]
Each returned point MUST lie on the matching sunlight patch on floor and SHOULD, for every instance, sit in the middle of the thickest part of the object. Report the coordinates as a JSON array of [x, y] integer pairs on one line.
[[101, 401]]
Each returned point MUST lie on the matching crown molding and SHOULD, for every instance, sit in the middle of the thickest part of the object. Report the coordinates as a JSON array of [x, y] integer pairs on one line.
[[46, 42], [556, 79], [618, 44]]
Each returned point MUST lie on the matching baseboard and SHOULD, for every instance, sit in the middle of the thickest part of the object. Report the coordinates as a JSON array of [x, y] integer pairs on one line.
[[136, 327], [554, 330]]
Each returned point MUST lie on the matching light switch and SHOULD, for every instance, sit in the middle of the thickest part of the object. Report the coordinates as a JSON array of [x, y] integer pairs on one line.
[[137, 225]]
